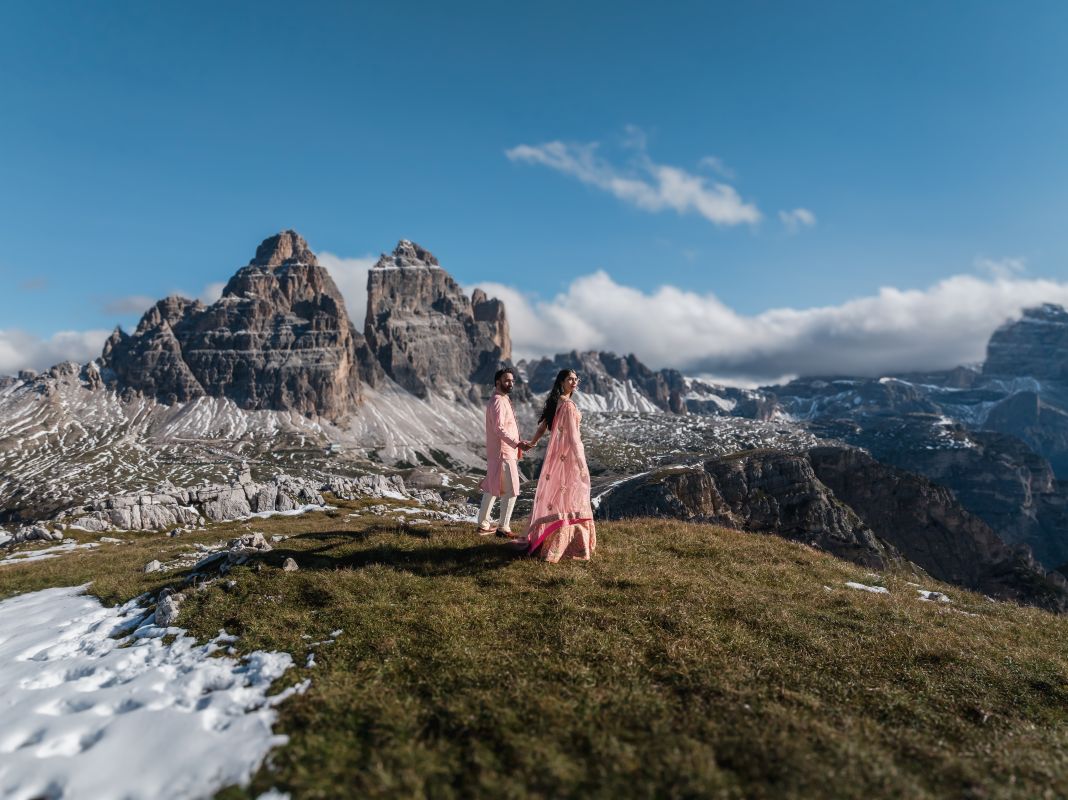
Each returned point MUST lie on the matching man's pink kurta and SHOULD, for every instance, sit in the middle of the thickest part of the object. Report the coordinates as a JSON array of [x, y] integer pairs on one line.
[[502, 447], [561, 524]]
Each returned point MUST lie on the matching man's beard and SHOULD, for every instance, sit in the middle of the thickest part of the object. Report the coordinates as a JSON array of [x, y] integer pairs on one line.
[[504, 389]]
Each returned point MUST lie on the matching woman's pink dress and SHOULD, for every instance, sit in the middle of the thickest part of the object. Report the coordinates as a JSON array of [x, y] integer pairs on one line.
[[561, 524]]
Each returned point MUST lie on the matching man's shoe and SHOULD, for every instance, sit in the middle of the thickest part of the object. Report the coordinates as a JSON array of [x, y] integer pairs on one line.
[[485, 531], [506, 534]]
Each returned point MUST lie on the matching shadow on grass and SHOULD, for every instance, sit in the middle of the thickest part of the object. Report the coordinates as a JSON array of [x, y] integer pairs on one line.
[[424, 560]]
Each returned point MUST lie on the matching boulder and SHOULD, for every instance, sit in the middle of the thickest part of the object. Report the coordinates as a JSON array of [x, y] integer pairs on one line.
[[167, 610]]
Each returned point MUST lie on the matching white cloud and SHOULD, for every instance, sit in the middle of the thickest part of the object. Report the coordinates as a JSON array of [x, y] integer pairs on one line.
[[22, 350], [716, 165], [350, 275], [894, 330], [212, 292], [1001, 268], [797, 219], [642, 183]]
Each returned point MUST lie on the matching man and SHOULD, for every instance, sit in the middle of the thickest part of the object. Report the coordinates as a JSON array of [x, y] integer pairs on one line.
[[503, 451]]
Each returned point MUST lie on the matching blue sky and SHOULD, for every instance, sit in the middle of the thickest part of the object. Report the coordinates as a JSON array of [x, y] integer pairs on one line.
[[146, 149]]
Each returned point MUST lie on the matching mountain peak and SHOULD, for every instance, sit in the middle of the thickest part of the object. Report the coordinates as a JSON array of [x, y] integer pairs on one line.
[[1047, 312], [408, 254], [284, 248], [1033, 346]]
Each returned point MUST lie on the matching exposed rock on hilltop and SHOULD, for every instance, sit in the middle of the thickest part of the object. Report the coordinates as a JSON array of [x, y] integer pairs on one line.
[[763, 490], [843, 501], [994, 476], [928, 526], [279, 338], [426, 334]]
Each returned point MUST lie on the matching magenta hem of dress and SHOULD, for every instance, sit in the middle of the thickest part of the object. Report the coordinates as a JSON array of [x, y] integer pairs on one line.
[[554, 527]]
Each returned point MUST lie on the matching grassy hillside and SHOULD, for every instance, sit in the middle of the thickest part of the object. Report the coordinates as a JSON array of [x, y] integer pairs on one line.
[[684, 661]]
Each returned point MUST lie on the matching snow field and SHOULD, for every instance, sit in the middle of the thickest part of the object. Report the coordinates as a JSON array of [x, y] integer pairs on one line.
[[95, 704]]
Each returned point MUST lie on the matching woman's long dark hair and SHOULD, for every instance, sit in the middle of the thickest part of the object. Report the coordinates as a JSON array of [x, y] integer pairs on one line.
[[548, 414]]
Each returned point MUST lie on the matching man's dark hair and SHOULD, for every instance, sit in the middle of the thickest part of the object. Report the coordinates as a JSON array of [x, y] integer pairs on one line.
[[503, 371]]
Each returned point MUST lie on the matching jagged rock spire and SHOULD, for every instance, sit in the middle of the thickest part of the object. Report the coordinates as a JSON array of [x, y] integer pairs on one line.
[[284, 248], [278, 338], [408, 254], [426, 334]]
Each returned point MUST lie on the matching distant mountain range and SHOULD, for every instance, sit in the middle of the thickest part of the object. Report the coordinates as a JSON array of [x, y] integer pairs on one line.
[[275, 373]]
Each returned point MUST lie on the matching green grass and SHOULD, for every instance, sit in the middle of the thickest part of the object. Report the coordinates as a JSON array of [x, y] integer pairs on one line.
[[683, 661]]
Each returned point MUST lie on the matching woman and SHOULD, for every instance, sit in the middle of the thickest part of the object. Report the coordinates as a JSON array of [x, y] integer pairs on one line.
[[561, 524]]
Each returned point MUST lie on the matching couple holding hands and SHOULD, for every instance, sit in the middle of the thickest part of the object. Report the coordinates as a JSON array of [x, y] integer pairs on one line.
[[561, 523]]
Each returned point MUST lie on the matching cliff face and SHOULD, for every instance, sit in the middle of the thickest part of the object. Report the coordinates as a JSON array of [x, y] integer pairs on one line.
[[842, 500], [425, 333], [766, 491], [927, 524], [1036, 346], [279, 337]]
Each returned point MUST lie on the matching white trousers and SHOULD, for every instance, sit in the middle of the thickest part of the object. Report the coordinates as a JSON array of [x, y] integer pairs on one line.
[[507, 503]]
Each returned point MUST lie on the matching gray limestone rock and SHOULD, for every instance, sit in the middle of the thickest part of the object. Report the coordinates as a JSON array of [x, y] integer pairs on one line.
[[367, 486], [425, 333], [246, 546], [167, 610], [765, 490], [36, 532], [223, 504], [169, 510], [279, 337]]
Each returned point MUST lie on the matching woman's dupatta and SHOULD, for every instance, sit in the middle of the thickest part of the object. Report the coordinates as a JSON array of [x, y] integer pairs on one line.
[[561, 523]]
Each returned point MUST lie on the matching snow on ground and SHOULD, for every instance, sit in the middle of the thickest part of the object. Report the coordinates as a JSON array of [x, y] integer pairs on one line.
[[934, 597], [293, 512], [25, 556], [86, 715], [865, 588], [5, 537]]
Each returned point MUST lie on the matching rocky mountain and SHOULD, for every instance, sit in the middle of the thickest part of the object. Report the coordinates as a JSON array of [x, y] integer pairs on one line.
[[995, 476], [842, 500], [624, 383], [1035, 346], [426, 334], [769, 491], [274, 373], [278, 338]]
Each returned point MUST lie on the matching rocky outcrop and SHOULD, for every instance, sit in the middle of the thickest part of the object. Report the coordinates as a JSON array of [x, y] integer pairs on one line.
[[926, 524], [767, 491], [1037, 421], [30, 533], [841, 500], [278, 338], [170, 507], [994, 476], [425, 333]]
